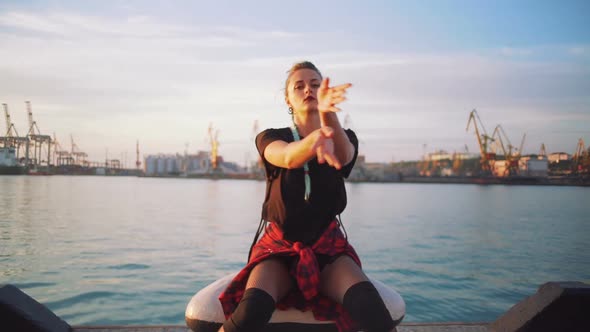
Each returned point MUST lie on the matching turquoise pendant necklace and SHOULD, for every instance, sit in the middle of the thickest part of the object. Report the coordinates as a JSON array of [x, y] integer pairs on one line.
[[296, 137]]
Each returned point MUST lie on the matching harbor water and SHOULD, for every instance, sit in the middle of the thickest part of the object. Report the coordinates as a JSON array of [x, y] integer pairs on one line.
[[129, 250]]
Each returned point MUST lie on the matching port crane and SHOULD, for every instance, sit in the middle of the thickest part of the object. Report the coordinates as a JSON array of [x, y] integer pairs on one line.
[[9, 125], [11, 137], [62, 157], [213, 141], [458, 161], [37, 140], [543, 151], [513, 154], [512, 150], [581, 158], [255, 129], [137, 161], [521, 145], [78, 155], [483, 140]]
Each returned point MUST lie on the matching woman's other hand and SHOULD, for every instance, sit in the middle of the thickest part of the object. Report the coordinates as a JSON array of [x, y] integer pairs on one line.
[[329, 97], [324, 147]]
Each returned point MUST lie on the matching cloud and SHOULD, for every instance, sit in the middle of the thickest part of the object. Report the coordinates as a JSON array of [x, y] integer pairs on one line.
[[579, 50], [77, 26], [113, 80], [515, 52]]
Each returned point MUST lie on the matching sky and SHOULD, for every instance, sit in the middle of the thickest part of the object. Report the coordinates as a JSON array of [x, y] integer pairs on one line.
[[110, 73]]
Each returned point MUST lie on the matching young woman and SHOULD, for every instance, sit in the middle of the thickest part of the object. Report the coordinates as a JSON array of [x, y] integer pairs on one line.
[[303, 259]]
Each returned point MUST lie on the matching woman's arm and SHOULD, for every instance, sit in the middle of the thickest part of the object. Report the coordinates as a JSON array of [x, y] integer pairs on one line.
[[318, 144], [343, 148], [328, 98]]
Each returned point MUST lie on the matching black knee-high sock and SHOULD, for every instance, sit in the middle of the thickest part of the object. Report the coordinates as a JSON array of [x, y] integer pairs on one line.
[[365, 306], [253, 312]]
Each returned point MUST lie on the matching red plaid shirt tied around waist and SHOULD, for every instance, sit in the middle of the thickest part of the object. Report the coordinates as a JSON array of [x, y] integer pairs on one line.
[[306, 272]]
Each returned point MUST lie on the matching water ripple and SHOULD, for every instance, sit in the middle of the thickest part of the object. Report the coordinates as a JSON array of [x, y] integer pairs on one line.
[[129, 267], [82, 298], [29, 285]]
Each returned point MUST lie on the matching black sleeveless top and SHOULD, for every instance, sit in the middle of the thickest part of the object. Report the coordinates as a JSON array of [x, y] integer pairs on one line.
[[285, 204]]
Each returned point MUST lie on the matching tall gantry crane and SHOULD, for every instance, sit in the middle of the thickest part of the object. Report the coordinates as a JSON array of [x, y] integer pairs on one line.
[[214, 142], [78, 155], [255, 129], [458, 160], [137, 161], [483, 140], [580, 159], [543, 151], [9, 125], [512, 154], [499, 141], [10, 129], [37, 140], [6, 139], [12, 138], [62, 157], [521, 147]]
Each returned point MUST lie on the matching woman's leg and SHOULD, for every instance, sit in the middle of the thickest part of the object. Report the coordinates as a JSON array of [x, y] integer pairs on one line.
[[268, 282], [346, 283]]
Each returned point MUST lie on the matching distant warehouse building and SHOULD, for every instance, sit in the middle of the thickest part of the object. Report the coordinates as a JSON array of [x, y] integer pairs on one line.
[[150, 165], [199, 163], [556, 157], [166, 164], [162, 164], [537, 166], [187, 165]]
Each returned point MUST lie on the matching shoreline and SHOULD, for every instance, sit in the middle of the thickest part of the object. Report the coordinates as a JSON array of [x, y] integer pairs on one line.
[[403, 327], [517, 180], [528, 181], [533, 181]]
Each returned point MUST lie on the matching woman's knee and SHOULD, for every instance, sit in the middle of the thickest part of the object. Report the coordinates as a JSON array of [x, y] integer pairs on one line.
[[339, 276], [366, 307], [268, 282], [253, 312]]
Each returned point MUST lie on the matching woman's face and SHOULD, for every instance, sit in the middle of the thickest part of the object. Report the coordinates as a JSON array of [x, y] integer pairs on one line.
[[302, 90]]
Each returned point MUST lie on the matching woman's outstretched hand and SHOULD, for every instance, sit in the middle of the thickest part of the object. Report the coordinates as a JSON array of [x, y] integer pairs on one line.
[[324, 147], [329, 97]]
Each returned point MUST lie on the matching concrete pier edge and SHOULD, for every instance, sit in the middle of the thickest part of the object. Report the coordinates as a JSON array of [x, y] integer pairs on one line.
[[556, 306]]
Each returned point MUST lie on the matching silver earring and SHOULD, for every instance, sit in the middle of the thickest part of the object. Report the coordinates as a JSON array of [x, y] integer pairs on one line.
[[290, 110]]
